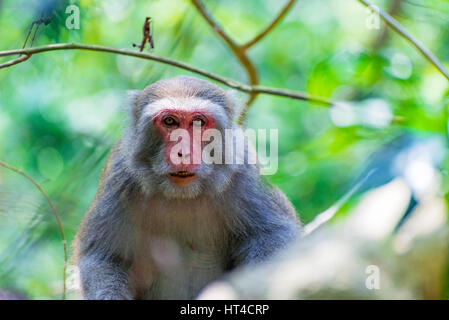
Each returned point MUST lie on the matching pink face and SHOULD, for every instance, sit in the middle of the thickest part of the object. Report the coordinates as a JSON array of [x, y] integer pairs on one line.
[[183, 155]]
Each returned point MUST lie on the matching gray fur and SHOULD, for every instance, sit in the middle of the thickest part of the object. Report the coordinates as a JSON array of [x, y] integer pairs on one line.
[[144, 238]]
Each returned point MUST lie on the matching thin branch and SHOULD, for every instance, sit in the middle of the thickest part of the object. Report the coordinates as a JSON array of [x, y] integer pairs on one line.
[[58, 220], [404, 33], [214, 24], [14, 61], [270, 27], [238, 51], [149, 56], [293, 95], [28, 34], [382, 38]]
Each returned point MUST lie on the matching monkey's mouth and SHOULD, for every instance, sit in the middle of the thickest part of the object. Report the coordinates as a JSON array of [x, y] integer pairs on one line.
[[182, 174], [182, 178]]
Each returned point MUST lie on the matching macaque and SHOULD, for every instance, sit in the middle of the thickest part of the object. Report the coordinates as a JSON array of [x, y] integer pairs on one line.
[[164, 224]]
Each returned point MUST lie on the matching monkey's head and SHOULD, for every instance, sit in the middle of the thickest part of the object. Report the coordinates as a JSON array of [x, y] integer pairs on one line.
[[166, 141]]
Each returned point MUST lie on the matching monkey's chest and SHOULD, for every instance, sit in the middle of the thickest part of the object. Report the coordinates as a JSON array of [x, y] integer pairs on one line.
[[177, 255], [173, 270]]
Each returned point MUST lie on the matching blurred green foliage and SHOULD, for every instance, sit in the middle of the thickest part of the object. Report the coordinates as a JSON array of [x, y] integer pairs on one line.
[[60, 112]]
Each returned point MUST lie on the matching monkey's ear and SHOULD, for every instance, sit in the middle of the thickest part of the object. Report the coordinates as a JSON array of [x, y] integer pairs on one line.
[[237, 104], [131, 99], [131, 96]]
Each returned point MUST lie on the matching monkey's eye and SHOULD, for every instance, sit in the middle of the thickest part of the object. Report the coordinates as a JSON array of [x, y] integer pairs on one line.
[[201, 122], [169, 121]]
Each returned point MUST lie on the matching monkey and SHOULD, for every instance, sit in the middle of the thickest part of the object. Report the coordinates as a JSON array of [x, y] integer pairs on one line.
[[163, 229]]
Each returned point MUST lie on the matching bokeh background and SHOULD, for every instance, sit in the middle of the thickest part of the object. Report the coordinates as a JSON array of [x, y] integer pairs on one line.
[[60, 112]]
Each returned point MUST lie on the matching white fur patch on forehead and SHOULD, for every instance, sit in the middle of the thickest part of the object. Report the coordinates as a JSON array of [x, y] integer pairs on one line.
[[185, 104]]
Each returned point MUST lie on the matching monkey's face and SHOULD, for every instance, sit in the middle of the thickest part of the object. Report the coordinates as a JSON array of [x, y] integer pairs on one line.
[[182, 135], [180, 126]]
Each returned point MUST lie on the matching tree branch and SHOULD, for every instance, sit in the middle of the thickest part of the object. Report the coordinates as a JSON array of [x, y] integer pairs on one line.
[[382, 38], [209, 18], [293, 95], [58, 220], [396, 26], [270, 27], [239, 53], [14, 61], [148, 56]]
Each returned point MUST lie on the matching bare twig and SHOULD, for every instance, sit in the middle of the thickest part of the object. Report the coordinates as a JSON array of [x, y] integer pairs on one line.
[[239, 53], [404, 33], [293, 94], [270, 27], [214, 24], [58, 220], [148, 56], [28, 34], [14, 61], [381, 39], [147, 35]]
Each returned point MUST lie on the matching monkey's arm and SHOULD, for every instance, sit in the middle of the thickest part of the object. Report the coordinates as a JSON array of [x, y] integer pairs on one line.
[[101, 241], [103, 279], [103, 269], [271, 224], [100, 252]]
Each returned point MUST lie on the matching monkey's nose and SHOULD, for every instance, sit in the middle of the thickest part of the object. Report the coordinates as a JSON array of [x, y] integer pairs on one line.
[[185, 154]]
